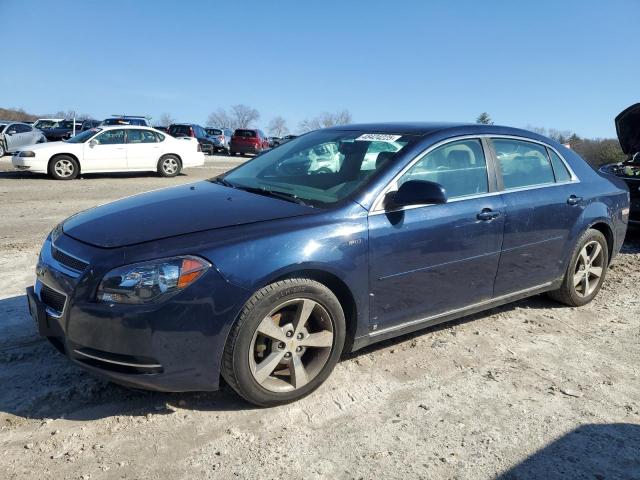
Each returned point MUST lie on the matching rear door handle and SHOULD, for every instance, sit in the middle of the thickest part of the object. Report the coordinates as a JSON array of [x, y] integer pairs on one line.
[[487, 214], [573, 200]]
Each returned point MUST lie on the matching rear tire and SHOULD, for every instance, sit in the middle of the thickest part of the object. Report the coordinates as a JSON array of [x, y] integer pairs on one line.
[[285, 343], [586, 271], [63, 167], [169, 166]]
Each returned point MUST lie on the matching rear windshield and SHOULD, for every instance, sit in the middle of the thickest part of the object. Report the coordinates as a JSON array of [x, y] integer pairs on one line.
[[245, 133], [180, 130], [64, 124], [214, 131]]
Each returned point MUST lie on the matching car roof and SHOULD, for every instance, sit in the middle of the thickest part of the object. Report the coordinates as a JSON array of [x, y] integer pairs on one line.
[[427, 128], [129, 127]]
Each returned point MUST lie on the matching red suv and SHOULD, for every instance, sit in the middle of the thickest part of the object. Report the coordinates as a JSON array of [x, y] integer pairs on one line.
[[246, 140]]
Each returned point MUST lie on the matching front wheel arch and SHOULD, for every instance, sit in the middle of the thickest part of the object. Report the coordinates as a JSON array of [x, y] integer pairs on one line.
[[57, 155]]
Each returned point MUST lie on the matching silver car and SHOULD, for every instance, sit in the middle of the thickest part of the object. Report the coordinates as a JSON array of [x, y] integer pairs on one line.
[[16, 135]]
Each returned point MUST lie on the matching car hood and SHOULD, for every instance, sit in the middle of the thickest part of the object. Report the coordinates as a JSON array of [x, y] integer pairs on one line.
[[628, 129], [54, 146], [175, 211]]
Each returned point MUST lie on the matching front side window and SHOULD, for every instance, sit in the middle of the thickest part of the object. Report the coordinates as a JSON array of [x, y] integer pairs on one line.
[[460, 167], [322, 167], [20, 128], [522, 164], [110, 137]]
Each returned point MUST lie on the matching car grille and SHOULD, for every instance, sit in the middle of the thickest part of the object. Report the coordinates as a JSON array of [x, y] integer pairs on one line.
[[52, 299], [67, 260]]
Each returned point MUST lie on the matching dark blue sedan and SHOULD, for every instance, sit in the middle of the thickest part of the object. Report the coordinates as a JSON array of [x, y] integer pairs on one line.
[[332, 241]]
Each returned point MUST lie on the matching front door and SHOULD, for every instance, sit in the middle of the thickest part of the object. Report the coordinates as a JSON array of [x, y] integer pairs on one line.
[[431, 259], [106, 152], [542, 204]]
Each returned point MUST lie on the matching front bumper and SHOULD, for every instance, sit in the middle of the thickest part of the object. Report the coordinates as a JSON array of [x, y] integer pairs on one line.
[[174, 345], [31, 164]]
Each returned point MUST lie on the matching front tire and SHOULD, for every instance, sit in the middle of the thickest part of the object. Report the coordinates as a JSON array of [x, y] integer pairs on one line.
[[586, 271], [64, 167], [169, 166], [285, 343]]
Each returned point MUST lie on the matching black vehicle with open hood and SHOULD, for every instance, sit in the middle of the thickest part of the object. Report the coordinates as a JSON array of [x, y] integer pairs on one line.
[[628, 131]]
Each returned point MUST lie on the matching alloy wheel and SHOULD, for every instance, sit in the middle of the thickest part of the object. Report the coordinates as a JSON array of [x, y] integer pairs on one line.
[[64, 168], [589, 268], [170, 166], [291, 345]]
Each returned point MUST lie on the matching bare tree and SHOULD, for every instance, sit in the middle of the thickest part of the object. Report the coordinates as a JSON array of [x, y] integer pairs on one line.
[[221, 119], [166, 119], [244, 116], [325, 120], [278, 126]]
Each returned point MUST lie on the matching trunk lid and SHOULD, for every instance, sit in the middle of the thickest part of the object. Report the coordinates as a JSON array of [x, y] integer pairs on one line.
[[628, 129]]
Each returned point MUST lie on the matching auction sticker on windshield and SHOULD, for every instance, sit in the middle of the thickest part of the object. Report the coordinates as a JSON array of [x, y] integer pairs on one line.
[[377, 137]]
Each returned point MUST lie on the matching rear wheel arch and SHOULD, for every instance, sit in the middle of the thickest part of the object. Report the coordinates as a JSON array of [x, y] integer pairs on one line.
[[606, 230]]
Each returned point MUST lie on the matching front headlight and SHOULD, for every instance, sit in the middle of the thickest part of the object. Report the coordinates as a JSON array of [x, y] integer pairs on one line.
[[150, 281], [27, 153]]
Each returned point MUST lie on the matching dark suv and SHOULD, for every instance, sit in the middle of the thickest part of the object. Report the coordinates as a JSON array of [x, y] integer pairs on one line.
[[248, 140], [196, 131], [137, 120]]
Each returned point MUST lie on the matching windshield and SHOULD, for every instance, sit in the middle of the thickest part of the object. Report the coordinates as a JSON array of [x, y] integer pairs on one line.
[[322, 167], [44, 124], [84, 136]]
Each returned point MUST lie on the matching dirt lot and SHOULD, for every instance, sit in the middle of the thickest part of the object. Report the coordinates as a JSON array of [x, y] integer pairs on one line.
[[530, 390]]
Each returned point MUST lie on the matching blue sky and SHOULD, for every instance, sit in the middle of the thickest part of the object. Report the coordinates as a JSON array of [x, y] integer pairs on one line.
[[570, 65]]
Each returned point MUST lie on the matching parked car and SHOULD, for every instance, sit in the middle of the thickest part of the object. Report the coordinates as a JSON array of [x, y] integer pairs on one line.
[[265, 279], [248, 140], [126, 120], [628, 130], [43, 123], [89, 124], [17, 135], [273, 141], [62, 130], [286, 138], [111, 149], [194, 131], [221, 138], [162, 129]]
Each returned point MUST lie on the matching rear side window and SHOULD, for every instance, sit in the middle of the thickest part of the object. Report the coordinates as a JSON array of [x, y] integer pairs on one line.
[[141, 136], [522, 164], [559, 168], [245, 133], [460, 167]]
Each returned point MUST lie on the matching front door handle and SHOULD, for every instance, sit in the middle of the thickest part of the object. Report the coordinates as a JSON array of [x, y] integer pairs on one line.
[[487, 214], [573, 200]]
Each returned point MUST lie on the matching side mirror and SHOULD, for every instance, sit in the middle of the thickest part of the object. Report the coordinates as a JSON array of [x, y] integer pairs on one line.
[[93, 143], [418, 192]]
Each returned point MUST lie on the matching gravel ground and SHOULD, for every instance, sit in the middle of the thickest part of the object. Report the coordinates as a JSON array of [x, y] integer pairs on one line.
[[529, 390]]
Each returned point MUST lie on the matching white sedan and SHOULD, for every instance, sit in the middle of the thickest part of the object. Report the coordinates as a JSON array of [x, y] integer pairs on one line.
[[111, 149]]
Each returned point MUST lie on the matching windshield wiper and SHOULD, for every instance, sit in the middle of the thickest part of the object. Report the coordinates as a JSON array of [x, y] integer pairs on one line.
[[222, 181], [289, 197]]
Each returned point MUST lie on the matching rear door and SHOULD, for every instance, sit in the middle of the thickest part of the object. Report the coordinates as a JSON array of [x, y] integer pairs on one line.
[[106, 152], [143, 149], [542, 205], [428, 260]]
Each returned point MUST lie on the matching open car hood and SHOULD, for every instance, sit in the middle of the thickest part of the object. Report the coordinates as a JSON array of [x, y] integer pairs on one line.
[[175, 211], [628, 129]]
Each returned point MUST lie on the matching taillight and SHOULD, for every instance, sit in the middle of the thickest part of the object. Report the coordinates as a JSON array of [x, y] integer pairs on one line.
[[191, 134], [221, 137]]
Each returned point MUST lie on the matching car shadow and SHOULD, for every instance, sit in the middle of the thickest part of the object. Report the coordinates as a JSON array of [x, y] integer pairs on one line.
[[590, 451]]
